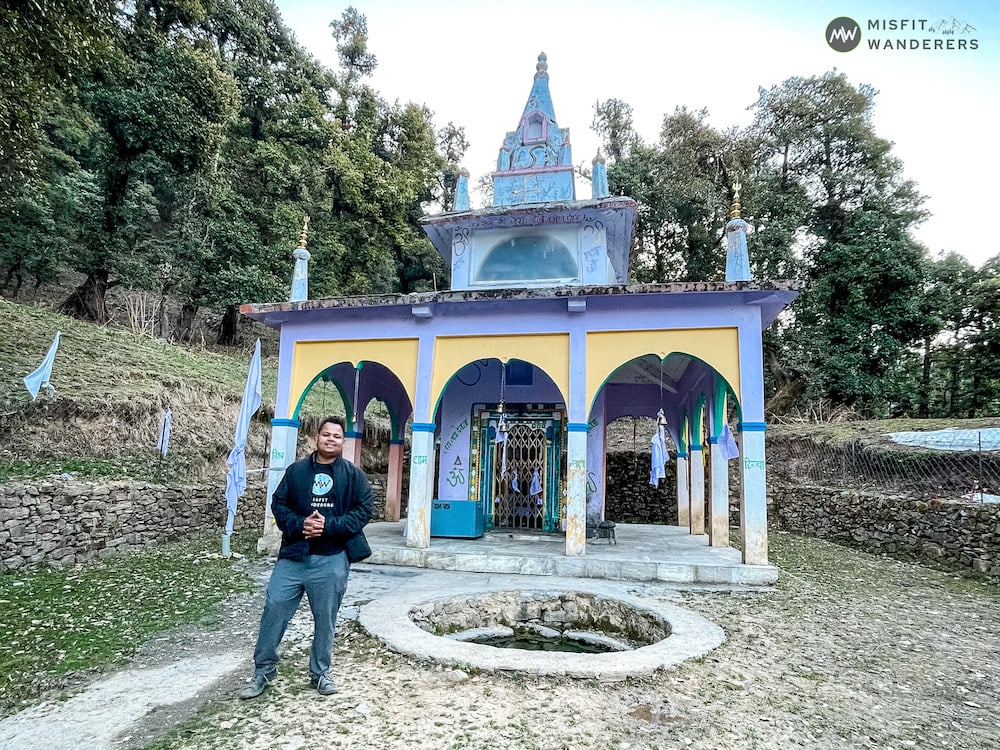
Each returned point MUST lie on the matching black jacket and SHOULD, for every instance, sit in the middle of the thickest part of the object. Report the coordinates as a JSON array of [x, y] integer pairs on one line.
[[291, 504]]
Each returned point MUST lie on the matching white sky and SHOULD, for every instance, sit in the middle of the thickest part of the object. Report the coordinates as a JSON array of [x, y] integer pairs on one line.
[[472, 63]]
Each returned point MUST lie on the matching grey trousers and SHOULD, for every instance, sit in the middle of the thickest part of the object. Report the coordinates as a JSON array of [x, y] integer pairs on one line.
[[323, 578]]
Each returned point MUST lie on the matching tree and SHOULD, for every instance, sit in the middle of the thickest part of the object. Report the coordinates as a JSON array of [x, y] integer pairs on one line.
[[160, 101], [864, 271], [682, 185], [613, 122], [44, 45], [452, 145]]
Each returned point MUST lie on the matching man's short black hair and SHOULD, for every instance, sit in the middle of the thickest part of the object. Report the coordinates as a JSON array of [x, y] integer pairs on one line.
[[333, 420]]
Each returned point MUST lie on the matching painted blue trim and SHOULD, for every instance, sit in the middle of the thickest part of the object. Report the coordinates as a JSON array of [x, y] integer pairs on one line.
[[694, 447], [286, 423], [753, 426], [682, 454], [397, 442], [424, 427], [713, 440], [353, 434], [577, 427]]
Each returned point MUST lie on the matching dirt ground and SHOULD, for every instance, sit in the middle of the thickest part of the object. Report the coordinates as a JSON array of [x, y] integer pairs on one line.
[[848, 651]]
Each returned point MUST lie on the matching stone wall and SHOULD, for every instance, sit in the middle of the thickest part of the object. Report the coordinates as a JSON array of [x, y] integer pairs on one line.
[[956, 533], [962, 534], [630, 496], [62, 523]]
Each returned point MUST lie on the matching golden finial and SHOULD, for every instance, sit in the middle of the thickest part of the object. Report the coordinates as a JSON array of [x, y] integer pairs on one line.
[[734, 213], [305, 233]]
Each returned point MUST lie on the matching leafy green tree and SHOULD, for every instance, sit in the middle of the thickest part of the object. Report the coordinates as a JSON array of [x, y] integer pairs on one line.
[[865, 272], [682, 185], [383, 169], [984, 340], [614, 123], [946, 313], [44, 47], [160, 101], [248, 210], [452, 145]]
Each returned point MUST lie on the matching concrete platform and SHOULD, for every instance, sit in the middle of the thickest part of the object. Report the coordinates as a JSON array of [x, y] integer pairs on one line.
[[644, 552]]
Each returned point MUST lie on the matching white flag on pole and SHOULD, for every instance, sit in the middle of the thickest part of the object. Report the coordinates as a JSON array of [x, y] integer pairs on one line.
[[40, 377], [164, 441]]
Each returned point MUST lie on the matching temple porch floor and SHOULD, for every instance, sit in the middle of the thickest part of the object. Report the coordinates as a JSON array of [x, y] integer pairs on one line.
[[644, 552]]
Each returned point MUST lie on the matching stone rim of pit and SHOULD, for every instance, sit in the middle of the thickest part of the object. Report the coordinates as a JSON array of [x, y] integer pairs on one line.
[[690, 636]]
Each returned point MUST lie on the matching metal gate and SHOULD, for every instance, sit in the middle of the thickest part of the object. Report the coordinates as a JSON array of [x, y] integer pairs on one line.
[[519, 475]]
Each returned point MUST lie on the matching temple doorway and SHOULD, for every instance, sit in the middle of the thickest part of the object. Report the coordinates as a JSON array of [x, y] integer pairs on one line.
[[522, 468]]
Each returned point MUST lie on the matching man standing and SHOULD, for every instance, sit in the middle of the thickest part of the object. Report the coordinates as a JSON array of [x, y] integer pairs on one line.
[[321, 501]]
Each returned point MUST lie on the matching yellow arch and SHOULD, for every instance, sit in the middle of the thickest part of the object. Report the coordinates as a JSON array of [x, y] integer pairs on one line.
[[312, 357], [717, 347], [549, 351]]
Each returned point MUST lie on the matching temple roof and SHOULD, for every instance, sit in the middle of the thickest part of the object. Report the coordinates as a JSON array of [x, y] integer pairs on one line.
[[616, 214], [771, 296]]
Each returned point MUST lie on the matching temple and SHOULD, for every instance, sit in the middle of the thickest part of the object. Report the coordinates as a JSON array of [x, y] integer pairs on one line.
[[508, 380]]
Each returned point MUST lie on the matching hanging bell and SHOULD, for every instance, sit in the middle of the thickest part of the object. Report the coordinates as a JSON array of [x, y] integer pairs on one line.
[[660, 419]]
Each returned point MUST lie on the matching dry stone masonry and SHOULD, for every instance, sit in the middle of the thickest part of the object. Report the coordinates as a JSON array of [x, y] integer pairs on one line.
[[64, 522], [961, 533]]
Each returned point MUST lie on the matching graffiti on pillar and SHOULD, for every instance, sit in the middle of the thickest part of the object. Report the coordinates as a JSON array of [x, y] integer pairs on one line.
[[749, 464], [277, 455], [459, 430], [457, 474], [420, 459]]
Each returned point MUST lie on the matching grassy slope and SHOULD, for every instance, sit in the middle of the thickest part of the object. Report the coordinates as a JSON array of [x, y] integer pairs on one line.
[[111, 390]]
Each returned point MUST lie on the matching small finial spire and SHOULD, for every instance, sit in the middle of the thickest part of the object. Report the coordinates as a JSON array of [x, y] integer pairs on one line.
[[304, 236], [542, 68], [599, 158], [734, 213]]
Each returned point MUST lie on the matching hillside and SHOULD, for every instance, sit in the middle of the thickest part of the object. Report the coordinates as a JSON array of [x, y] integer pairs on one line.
[[112, 388]]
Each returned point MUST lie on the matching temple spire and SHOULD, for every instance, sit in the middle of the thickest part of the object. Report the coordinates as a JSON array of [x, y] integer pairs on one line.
[[542, 68], [599, 177], [300, 275], [737, 256], [535, 162], [734, 211]]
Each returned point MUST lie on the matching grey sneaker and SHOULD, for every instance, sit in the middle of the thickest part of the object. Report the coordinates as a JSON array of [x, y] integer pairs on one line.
[[256, 685], [324, 684]]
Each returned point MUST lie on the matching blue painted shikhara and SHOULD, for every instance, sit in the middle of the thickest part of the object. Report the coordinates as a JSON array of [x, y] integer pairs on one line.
[[535, 164], [509, 379]]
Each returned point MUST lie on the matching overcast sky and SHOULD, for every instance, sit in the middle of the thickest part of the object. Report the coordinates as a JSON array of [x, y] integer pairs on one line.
[[472, 63]]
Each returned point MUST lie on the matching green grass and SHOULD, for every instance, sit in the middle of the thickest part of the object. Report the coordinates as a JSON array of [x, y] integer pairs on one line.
[[92, 617], [98, 362], [112, 388], [173, 468]]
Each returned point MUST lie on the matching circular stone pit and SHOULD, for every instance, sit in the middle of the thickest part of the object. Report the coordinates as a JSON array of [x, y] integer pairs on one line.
[[654, 635]]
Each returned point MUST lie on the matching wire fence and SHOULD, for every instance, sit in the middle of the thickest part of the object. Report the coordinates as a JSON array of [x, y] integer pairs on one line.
[[955, 468]]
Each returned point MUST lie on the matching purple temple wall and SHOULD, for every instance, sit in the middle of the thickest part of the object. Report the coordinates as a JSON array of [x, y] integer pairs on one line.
[[477, 382]]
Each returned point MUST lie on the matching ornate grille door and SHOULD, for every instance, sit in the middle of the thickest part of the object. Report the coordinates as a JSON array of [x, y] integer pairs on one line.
[[519, 481]]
